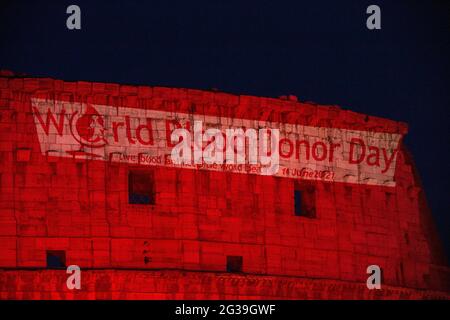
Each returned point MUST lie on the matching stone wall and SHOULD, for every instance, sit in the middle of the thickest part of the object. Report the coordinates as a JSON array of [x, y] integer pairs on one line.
[[200, 217]]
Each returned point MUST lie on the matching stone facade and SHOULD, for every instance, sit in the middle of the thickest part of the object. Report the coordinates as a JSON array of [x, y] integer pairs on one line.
[[177, 247]]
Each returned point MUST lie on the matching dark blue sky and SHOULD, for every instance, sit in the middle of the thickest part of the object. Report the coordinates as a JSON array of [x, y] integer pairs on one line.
[[320, 51]]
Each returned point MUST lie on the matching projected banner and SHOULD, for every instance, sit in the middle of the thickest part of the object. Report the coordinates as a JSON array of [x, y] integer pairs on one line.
[[151, 137]]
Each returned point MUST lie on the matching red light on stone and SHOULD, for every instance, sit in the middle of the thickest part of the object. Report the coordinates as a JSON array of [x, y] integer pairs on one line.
[[185, 228], [23, 155]]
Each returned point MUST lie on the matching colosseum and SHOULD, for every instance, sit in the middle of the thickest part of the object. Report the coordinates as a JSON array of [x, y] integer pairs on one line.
[[87, 178]]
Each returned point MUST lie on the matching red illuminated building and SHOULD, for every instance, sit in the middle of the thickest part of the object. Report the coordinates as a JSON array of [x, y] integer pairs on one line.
[[85, 179]]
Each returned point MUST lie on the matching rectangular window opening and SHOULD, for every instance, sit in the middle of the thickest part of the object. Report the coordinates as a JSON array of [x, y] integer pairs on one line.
[[305, 202], [389, 199], [234, 263], [141, 187], [56, 259]]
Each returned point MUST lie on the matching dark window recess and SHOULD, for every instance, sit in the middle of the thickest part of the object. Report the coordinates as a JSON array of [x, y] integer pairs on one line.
[[389, 199], [56, 259], [234, 263], [305, 202], [141, 187]]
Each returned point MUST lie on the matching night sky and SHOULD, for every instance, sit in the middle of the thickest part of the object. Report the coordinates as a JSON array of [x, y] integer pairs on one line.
[[320, 51]]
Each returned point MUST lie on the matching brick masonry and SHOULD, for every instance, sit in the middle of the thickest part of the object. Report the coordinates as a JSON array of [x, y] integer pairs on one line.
[[177, 248]]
